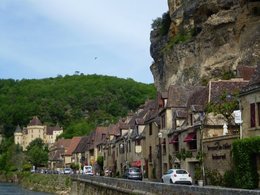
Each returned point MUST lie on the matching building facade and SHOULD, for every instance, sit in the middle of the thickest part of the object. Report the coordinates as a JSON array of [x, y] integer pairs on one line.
[[35, 129]]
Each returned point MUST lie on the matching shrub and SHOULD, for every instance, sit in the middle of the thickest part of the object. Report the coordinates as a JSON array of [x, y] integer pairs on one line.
[[244, 158], [214, 177], [162, 24], [229, 178]]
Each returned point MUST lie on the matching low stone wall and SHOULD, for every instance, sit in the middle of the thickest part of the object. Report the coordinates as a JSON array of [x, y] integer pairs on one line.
[[89, 185]]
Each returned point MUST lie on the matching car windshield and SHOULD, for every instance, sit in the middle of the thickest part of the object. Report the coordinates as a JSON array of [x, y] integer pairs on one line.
[[134, 170], [181, 171]]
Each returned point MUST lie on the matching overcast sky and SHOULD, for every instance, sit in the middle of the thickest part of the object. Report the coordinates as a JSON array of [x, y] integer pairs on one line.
[[46, 38]]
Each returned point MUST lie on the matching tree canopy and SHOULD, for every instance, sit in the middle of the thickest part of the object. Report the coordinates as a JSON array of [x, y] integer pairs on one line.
[[78, 103]]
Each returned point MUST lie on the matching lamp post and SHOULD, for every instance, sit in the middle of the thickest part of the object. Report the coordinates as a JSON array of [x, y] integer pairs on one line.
[[202, 118], [123, 148], [160, 135]]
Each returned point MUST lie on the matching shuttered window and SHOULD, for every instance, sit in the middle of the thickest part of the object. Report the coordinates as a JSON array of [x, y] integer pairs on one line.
[[252, 115]]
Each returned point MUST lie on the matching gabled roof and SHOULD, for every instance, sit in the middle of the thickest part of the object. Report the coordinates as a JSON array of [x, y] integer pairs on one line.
[[83, 145], [198, 98], [35, 121], [217, 88], [73, 144], [254, 83], [113, 129], [178, 96], [51, 129], [63, 143], [245, 72], [100, 135]]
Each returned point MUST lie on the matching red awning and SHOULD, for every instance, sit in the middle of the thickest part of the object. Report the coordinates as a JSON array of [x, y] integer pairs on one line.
[[136, 163], [174, 140], [190, 137]]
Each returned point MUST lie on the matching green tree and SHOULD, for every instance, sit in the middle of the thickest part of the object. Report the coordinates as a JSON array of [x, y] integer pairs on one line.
[[37, 153]]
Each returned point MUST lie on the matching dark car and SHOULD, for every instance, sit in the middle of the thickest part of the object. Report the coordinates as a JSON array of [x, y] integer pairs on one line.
[[133, 173]]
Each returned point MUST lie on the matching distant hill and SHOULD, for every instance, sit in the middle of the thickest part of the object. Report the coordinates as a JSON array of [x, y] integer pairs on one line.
[[78, 103]]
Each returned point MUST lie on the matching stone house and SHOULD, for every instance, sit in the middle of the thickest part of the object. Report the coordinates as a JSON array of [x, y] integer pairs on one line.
[[220, 131], [250, 106], [56, 154], [68, 156], [250, 110], [35, 129], [152, 161], [79, 154]]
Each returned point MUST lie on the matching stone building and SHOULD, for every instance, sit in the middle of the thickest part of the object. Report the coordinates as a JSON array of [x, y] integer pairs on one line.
[[35, 129], [250, 106]]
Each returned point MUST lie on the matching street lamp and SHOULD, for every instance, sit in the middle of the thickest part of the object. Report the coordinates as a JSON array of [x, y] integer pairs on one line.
[[123, 148], [160, 135], [202, 121]]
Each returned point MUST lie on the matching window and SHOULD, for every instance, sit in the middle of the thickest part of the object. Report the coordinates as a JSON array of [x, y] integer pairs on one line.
[[150, 129], [150, 153], [191, 140], [163, 121], [176, 146], [129, 146], [252, 115], [258, 113], [164, 146], [191, 120]]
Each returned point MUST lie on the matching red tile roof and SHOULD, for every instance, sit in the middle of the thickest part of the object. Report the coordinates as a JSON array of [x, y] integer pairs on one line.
[[245, 72], [73, 144]]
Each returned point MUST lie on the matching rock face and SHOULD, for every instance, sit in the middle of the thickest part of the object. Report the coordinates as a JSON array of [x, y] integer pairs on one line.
[[206, 39]]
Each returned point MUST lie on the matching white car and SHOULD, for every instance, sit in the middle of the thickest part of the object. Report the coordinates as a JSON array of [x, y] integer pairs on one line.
[[68, 171], [88, 170], [177, 176]]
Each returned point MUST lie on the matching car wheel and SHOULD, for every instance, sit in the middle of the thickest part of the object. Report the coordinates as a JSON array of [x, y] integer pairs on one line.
[[162, 181], [171, 181]]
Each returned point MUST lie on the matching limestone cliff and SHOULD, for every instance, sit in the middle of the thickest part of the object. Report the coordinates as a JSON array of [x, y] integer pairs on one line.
[[205, 39]]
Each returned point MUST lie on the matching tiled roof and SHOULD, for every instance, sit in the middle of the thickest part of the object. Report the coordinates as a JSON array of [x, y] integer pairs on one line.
[[113, 129], [51, 129], [198, 98], [64, 143], [35, 121], [100, 135], [254, 83], [73, 144], [245, 72], [217, 88], [178, 96], [83, 145]]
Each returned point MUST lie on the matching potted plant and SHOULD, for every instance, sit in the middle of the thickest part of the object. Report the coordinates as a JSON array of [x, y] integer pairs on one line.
[[198, 176], [199, 169]]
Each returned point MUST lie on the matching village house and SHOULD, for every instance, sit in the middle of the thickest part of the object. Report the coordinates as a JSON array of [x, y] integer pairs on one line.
[[219, 129], [56, 154], [35, 129], [250, 108], [68, 155]]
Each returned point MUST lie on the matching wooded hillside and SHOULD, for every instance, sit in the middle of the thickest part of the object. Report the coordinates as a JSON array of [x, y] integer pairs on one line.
[[78, 103]]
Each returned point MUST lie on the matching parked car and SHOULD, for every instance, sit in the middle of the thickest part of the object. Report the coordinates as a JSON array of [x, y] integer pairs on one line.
[[177, 176], [133, 173], [88, 170], [68, 171]]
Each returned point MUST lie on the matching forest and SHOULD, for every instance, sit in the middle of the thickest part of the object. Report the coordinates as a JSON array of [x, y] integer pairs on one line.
[[78, 103]]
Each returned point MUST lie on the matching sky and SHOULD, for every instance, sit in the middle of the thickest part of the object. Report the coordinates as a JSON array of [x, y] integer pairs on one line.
[[46, 38]]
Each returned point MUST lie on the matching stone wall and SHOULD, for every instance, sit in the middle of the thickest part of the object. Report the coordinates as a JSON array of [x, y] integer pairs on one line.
[[218, 153], [89, 185]]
